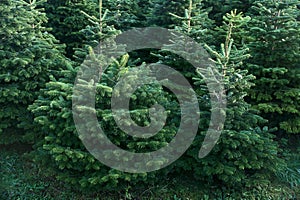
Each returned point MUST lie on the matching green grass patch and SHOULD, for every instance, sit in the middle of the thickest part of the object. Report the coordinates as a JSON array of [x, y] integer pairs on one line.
[[23, 179]]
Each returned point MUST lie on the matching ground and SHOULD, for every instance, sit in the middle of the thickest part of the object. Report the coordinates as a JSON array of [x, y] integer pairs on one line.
[[22, 179]]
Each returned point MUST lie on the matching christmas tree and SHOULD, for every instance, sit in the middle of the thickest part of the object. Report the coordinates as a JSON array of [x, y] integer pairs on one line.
[[61, 149], [127, 14], [221, 7], [275, 46], [245, 153], [66, 21], [27, 57], [161, 9], [242, 145]]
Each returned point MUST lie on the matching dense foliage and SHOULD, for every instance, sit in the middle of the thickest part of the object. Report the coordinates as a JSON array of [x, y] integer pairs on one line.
[[66, 21], [28, 54], [275, 49], [254, 46]]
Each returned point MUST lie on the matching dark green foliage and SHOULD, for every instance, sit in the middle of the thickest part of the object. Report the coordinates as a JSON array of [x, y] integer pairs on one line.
[[66, 21], [61, 149], [221, 7], [28, 53], [64, 150], [275, 61], [127, 14], [193, 22], [245, 153], [257, 59], [291, 173], [161, 9]]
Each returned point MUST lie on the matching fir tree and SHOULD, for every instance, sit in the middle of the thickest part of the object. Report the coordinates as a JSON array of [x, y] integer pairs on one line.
[[221, 7], [127, 14], [27, 57], [242, 144], [275, 60], [62, 150], [195, 23], [161, 9], [66, 20], [245, 153]]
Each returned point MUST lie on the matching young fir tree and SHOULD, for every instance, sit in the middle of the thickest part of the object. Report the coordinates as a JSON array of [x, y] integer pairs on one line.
[[161, 9], [195, 23], [275, 61], [27, 57], [221, 7], [62, 149], [243, 149], [66, 20], [127, 14], [244, 153]]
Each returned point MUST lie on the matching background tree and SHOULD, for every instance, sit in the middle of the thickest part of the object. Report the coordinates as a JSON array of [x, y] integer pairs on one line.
[[220, 8], [195, 23], [161, 9], [275, 60], [128, 14], [27, 57], [66, 21]]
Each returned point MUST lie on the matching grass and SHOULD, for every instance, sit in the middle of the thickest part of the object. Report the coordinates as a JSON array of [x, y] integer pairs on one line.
[[22, 179]]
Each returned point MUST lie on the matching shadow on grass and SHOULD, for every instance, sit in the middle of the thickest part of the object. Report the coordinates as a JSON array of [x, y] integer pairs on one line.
[[20, 178]]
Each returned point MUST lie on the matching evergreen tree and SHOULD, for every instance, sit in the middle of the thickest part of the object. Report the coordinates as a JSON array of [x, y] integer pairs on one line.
[[27, 57], [195, 23], [221, 7], [244, 149], [62, 150], [245, 153], [127, 14], [161, 9], [218, 11], [66, 21], [275, 62]]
